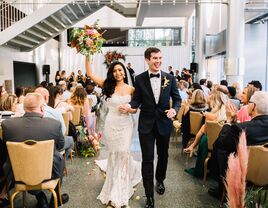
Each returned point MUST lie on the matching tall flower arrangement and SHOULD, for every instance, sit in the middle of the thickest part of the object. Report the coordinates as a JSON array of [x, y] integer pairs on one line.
[[87, 40], [236, 175], [112, 56]]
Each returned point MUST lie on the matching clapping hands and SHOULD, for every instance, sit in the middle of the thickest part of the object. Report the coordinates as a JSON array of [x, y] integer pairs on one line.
[[231, 112]]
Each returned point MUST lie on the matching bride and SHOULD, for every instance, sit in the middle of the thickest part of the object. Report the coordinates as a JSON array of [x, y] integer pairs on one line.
[[122, 172]]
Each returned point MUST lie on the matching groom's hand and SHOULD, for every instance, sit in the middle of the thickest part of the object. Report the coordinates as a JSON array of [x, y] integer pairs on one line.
[[170, 113]]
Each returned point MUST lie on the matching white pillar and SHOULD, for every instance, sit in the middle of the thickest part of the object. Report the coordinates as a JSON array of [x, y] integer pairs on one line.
[[62, 52], [234, 63], [200, 36]]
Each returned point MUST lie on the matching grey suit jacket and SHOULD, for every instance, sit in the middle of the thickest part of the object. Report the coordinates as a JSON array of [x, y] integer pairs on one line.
[[34, 126]]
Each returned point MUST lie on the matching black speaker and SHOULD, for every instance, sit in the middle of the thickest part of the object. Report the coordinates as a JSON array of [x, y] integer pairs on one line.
[[194, 68], [46, 69]]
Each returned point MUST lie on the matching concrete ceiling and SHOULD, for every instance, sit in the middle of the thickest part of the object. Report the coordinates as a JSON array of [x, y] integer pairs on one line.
[[165, 10]]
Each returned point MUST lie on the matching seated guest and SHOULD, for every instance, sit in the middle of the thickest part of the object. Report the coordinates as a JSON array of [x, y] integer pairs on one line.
[[183, 89], [34, 126], [92, 96], [256, 84], [57, 115], [242, 114], [226, 143], [197, 103], [232, 97]]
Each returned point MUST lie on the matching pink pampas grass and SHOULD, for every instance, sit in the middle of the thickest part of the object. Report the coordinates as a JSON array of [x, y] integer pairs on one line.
[[235, 181]]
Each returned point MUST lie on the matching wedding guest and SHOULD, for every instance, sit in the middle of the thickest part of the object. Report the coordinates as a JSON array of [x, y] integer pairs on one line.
[[232, 97], [242, 114], [226, 143], [33, 126], [170, 70], [131, 74], [183, 89], [203, 84], [57, 77], [256, 84], [80, 78]]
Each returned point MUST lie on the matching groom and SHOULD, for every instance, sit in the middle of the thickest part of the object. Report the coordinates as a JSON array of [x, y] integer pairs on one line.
[[153, 90]]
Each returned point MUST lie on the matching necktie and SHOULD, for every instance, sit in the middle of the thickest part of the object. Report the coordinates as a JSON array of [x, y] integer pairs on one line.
[[154, 75]]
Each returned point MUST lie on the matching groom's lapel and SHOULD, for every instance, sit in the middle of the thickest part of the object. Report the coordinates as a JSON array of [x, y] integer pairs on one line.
[[148, 85]]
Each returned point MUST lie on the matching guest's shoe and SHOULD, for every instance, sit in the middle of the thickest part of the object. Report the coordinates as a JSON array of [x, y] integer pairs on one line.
[[149, 202], [160, 188], [64, 198], [42, 200], [4, 203]]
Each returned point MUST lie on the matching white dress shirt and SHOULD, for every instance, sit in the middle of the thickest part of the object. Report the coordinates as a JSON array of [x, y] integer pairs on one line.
[[156, 85]]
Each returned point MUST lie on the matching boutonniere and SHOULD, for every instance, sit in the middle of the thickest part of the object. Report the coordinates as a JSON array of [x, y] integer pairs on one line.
[[165, 82]]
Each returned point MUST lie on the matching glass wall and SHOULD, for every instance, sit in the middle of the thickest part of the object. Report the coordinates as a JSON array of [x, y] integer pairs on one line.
[[144, 37]]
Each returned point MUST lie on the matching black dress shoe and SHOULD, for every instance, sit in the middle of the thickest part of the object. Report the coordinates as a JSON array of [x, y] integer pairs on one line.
[[160, 188], [42, 200], [64, 198], [149, 202]]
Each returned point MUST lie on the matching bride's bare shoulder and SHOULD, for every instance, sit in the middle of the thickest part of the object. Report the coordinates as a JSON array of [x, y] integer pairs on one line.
[[130, 89]]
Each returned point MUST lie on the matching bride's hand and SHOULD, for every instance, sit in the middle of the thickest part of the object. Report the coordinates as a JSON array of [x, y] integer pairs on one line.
[[123, 109]]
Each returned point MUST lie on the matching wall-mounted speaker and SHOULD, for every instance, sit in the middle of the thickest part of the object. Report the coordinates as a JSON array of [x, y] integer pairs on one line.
[[194, 68], [46, 69]]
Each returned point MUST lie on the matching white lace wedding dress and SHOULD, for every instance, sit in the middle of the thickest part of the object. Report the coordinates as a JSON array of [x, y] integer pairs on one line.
[[122, 172]]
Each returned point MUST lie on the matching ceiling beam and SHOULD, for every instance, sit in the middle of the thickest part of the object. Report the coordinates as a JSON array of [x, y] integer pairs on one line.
[[51, 25], [18, 42], [81, 9], [72, 11], [58, 21], [36, 34], [43, 30], [65, 16], [28, 38]]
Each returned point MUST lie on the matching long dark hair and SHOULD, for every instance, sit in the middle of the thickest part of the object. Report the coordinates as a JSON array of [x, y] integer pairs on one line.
[[110, 83]]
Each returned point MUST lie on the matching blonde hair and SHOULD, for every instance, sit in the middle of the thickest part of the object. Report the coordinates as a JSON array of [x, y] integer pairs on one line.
[[217, 101], [198, 98], [79, 96], [7, 103]]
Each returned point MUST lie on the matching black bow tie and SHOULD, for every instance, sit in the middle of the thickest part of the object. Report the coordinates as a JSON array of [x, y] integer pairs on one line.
[[154, 75]]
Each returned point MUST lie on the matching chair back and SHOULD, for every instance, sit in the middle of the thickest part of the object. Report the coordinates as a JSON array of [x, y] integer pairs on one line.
[[76, 115], [258, 165], [180, 113], [195, 122], [213, 130], [66, 122], [31, 160]]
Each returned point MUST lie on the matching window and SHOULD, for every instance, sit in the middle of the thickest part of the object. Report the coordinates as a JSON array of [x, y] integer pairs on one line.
[[154, 37]]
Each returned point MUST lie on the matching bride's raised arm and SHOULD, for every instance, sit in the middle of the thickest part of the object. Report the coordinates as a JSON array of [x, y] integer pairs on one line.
[[99, 81]]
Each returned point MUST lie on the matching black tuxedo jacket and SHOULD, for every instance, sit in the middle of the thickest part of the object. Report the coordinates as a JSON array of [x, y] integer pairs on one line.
[[152, 112]]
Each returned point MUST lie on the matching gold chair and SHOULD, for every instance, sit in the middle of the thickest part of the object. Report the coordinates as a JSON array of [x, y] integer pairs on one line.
[[177, 122], [213, 130], [76, 115], [196, 119], [258, 165], [31, 163], [1, 132], [66, 122]]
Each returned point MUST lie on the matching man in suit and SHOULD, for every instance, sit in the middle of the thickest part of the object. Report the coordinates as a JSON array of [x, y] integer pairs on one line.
[[131, 73], [226, 143], [153, 90], [32, 125]]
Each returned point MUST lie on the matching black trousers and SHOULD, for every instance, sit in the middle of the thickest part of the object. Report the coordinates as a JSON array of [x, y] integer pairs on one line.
[[147, 143]]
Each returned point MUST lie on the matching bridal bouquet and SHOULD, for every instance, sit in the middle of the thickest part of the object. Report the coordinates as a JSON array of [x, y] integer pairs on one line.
[[88, 40], [112, 56]]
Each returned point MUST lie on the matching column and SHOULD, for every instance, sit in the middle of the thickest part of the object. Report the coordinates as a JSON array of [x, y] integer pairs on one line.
[[234, 63], [200, 37]]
